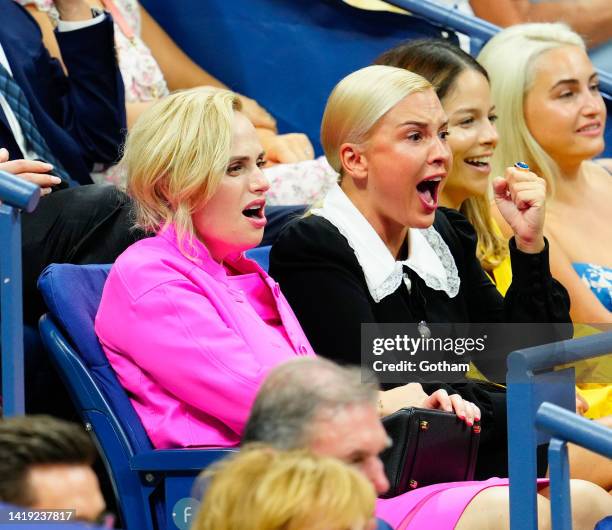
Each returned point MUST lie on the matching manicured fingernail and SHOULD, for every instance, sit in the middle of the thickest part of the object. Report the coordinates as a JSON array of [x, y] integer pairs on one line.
[[55, 180], [522, 166]]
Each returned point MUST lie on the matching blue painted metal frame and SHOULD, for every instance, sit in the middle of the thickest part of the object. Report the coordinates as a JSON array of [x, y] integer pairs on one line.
[[146, 484], [15, 195], [479, 31], [566, 427], [530, 377]]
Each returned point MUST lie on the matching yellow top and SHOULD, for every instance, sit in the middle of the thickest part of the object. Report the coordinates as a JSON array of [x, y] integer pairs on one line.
[[502, 274]]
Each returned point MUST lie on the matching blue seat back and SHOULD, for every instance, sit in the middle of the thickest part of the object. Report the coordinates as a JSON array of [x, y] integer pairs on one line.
[[16, 194], [604, 524], [151, 486], [261, 255], [287, 54], [72, 294]]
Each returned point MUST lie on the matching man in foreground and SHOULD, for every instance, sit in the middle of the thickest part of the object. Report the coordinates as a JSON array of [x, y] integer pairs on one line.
[[316, 404]]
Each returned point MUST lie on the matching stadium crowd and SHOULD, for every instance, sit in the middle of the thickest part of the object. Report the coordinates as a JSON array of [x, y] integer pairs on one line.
[[453, 189]]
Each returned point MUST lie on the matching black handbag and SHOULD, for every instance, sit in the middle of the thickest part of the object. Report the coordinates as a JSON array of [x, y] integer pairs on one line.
[[429, 447]]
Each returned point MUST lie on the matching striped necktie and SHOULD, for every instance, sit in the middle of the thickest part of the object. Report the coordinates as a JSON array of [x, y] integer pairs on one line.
[[19, 105]]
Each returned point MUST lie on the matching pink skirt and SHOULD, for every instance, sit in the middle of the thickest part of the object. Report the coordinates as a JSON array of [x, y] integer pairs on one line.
[[438, 506]]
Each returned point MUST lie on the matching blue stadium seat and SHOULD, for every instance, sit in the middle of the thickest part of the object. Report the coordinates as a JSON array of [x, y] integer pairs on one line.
[[261, 255], [287, 55], [152, 486], [604, 524]]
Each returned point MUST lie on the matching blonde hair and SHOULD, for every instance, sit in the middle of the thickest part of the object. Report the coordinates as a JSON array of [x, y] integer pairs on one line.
[[359, 101], [263, 489], [176, 154], [510, 58]]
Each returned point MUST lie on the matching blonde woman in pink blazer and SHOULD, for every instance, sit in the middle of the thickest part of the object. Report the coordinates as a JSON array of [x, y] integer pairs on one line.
[[188, 323]]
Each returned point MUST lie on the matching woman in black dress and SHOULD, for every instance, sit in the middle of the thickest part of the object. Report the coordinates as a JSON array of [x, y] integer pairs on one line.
[[379, 250]]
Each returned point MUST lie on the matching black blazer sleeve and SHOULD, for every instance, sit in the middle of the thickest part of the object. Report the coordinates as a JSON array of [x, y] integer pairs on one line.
[[534, 295]]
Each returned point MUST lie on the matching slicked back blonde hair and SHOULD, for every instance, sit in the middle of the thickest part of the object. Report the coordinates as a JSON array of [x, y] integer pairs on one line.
[[510, 57], [263, 489], [359, 101], [176, 154]]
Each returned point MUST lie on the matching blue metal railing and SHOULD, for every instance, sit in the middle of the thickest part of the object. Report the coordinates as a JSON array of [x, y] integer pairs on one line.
[[531, 380], [450, 18], [565, 427], [477, 29], [15, 195]]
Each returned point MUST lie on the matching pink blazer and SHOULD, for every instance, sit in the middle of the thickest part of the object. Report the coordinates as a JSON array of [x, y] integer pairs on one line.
[[190, 343]]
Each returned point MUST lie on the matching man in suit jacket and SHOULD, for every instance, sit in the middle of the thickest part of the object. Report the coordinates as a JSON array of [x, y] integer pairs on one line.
[[80, 116]]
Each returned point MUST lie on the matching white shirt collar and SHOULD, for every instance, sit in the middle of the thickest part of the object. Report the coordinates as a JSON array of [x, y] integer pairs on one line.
[[429, 254]]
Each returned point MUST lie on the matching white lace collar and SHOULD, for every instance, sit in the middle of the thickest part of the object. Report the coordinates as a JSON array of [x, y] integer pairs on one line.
[[429, 254]]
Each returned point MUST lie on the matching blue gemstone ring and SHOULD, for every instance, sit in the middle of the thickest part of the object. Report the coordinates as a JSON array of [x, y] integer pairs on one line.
[[521, 166]]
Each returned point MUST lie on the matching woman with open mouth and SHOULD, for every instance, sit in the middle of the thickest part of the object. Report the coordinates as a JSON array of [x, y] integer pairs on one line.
[[463, 88], [189, 324], [381, 250]]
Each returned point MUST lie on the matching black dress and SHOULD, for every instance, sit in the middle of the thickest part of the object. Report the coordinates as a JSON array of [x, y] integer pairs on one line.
[[325, 285]]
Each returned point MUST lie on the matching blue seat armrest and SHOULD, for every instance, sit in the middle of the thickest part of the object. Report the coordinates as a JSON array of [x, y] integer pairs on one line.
[[177, 459]]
